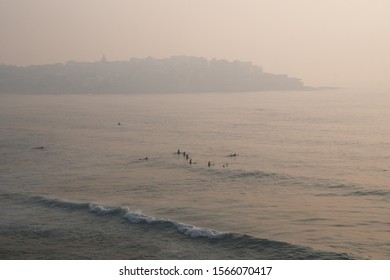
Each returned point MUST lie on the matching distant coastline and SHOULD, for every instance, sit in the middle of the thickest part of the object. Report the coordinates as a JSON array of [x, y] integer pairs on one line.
[[176, 74]]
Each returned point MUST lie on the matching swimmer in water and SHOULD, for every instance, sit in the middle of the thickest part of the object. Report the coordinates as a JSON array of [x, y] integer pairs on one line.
[[39, 148]]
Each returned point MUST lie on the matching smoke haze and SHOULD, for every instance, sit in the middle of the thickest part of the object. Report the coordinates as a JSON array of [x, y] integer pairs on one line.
[[325, 43]]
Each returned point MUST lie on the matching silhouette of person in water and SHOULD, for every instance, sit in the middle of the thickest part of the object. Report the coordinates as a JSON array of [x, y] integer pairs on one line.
[[186, 156], [178, 151], [209, 164], [39, 148]]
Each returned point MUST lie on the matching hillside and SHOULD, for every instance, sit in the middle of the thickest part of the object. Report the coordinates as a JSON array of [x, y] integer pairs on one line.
[[148, 75]]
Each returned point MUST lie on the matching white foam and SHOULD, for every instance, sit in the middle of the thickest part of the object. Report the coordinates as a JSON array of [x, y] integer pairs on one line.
[[138, 217], [195, 232], [99, 209]]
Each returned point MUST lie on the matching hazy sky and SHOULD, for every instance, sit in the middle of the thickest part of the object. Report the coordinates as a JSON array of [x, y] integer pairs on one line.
[[323, 42]]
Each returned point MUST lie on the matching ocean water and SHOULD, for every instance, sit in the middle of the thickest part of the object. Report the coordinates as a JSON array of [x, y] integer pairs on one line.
[[310, 179]]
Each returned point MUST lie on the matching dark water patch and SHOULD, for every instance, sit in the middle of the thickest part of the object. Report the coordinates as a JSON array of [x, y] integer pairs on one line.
[[343, 225], [351, 190], [237, 174], [339, 186], [308, 220], [327, 194], [254, 174], [279, 250], [381, 193], [335, 187]]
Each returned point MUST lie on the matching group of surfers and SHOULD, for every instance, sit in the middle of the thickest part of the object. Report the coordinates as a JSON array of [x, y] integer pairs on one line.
[[209, 164]]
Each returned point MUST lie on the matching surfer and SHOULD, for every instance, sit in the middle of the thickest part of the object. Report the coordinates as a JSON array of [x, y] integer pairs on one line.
[[39, 148], [209, 164]]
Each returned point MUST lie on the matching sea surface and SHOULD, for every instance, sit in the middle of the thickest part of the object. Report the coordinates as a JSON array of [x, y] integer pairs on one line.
[[292, 175]]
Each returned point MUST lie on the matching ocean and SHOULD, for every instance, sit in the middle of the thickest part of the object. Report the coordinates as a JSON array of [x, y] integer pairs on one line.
[[269, 175]]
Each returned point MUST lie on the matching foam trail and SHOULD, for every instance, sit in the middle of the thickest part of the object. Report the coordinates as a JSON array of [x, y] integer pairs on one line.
[[138, 217], [101, 210], [196, 232], [188, 230]]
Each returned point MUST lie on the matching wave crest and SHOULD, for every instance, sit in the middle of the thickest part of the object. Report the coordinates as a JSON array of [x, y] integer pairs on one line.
[[196, 232], [241, 245], [138, 217]]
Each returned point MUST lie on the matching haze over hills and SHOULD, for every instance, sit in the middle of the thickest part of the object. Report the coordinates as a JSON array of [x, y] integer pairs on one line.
[[148, 75]]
